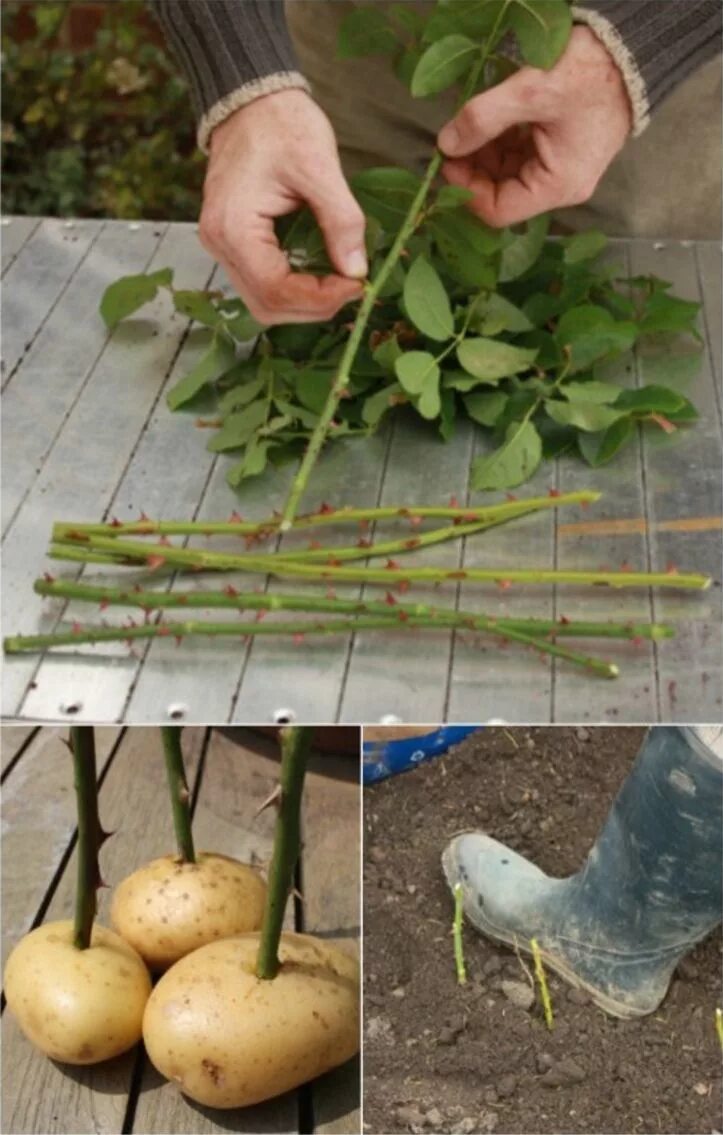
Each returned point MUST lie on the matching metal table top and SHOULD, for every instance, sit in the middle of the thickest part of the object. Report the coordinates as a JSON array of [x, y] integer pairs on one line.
[[87, 435]]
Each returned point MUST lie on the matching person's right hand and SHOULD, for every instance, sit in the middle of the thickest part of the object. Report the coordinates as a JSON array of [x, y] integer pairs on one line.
[[267, 159]]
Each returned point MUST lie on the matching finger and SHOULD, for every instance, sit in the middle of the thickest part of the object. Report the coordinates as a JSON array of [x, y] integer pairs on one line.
[[342, 222], [499, 203], [486, 116]]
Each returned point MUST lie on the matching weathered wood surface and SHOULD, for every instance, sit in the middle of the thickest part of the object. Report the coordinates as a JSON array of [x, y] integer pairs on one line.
[[87, 434], [229, 782]]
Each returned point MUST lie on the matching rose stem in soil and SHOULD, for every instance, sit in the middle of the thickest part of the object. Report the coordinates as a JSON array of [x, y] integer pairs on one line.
[[542, 982], [457, 935], [295, 743], [178, 787]]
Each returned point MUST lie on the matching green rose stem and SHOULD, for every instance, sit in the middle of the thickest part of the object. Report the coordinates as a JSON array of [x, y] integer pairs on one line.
[[295, 742], [178, 787], [90, 834], [231, 599], [160, 555], [371, 292], [77, 634]]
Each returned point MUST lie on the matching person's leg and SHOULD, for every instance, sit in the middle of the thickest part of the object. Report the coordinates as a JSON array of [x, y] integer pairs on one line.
[[649, 890]]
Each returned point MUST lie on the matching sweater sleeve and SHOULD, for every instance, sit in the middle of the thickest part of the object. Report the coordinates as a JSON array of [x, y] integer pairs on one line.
[[231, 52], [655, 43]]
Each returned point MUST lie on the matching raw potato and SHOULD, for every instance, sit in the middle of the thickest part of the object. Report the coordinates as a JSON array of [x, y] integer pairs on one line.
[[230, 1040], [168, 908], [78, 1006]]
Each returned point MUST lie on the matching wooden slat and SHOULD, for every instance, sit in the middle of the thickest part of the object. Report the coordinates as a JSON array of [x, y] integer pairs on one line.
[[708, 259], [332, 907], [236, 782], [14, 232], [38, 822], [103, 428], [39, 1095], [12, 740], [34, 282], [683, 481]]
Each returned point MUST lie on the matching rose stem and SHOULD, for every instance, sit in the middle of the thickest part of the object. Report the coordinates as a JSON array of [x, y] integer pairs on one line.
[[167, 554], [178, 787], [457, 934], [179, 630], [295, 742], [269, 601], [90, 834]]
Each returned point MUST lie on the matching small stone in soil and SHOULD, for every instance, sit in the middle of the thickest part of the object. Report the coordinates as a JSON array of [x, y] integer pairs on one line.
[[583, 734], [565, 1071], [578, 996], [410, 1117], [490, 1096], [544, 1061], [494, 965], [519, 994], [399, 992], [434, 1118], [506, 1086]]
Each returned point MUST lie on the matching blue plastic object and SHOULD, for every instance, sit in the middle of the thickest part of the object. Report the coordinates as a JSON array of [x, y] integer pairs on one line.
[[383, 759]]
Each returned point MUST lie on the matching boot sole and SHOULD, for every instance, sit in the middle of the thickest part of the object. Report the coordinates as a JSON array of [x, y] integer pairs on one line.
[[603, 1000]]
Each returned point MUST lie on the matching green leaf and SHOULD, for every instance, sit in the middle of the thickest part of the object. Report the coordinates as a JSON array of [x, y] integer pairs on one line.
[[599, 392], [295, 413], [394, 283], [386, 193], [377, 405], [490, 359], [584, 246], [475, 18], [312, 388], [387, 353], [522, 251], [468, 247], [429, 403], [238, 428], [591, 333], [685, 413], [128, 294], [599, 448], [219, 357], [668, 313], [416, 370], [485, 408], [427, 302], [514, 462], [239, 396], [442, 64], [197, 305], [588, 416], [452, 197], [365, 31], [253, 462], [244, 327], [651, 400], [542, 28], [412, 22], [447, 414], [493, 313]]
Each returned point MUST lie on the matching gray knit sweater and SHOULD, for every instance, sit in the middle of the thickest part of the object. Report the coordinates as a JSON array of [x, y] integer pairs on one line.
[[232, 51]]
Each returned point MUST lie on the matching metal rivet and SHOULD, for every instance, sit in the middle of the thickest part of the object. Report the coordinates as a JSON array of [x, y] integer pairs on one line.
[[284, 716], [390, 719], [658, 245], [177, 711], [71, 708], [134, 226]]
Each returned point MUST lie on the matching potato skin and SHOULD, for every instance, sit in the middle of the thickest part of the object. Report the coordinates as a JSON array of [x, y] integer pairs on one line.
[[229, 1039], [168, 908], [77, 1006]]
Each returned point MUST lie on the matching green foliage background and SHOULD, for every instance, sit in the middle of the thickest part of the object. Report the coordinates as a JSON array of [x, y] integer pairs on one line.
[[103, 132]]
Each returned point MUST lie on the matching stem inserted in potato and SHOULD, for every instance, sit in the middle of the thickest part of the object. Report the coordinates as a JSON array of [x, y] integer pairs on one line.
[[180, 796], [90, 834]]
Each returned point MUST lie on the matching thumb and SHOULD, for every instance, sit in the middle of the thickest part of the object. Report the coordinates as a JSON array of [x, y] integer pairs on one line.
[[488, 115], [342, 222]]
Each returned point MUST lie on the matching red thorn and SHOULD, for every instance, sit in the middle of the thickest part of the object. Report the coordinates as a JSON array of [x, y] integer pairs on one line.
[[76, 628], [670, 568], [130, 621], [413, 543], [260, 615], [415, 521], [364, 525], [453, 502], [235, 518], [511, 496], [314, 545], [229, 589], [143, 516], [403, 586], [625, 566], [155, 562], [103, 605], [179, 639], [136, 587], [504, 584], [332, 562], [390, 600], [391, 565], [457, 575], [554, 493], [325, 509], [564, 620], [163, 630], [362, 543], [48, 577], [637, 641], [298, 639], [165, 541], [403, 616], [116, 523], [584, 504]]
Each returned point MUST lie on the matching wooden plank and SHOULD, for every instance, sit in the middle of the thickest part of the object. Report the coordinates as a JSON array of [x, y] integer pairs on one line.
[[331, 907], [683, 483], [38, 822], [39, 1095], [708, 261], [35, 281], [55, 370], [236, 782], [64, 489], [12, 740], [576, 695], [14, 232], [406, 674]]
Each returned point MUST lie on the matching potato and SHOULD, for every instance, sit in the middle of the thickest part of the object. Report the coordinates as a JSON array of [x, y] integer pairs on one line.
[[230, 1039], [168, 908], [78, 1006]]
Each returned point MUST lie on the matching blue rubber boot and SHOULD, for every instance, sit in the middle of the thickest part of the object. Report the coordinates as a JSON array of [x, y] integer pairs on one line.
[[650, 889]]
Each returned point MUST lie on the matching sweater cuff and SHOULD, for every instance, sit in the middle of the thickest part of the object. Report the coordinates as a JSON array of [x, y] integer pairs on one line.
[[220, 111], [611, 39]]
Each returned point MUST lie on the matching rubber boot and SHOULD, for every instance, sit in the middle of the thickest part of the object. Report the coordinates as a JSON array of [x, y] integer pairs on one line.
[[650, 889]]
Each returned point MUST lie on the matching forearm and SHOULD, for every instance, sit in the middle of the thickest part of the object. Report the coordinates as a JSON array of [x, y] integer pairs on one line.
[[655, 43], [231, 52]]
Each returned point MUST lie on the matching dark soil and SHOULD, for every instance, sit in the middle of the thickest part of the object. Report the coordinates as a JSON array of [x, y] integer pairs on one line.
[[440, 1057]]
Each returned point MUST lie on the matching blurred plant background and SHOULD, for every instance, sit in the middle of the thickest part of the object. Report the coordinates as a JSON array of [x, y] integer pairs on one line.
[[96, 119]]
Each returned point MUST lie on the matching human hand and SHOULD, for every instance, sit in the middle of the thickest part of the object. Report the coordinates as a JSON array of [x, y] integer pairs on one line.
[[266, 160], [540, 139]]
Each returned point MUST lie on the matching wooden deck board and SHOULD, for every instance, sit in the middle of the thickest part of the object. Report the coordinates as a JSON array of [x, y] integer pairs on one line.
[[144, 457], [12, 742], [38, 829], [14, 232]]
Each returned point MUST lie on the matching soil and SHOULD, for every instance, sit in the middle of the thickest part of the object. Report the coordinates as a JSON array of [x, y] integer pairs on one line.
[[441, 1057]]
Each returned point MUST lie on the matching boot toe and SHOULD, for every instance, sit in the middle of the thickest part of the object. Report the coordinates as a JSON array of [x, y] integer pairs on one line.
[[499, 887]]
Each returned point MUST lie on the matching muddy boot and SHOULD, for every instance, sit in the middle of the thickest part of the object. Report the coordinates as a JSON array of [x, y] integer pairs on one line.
[[650, 889]]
